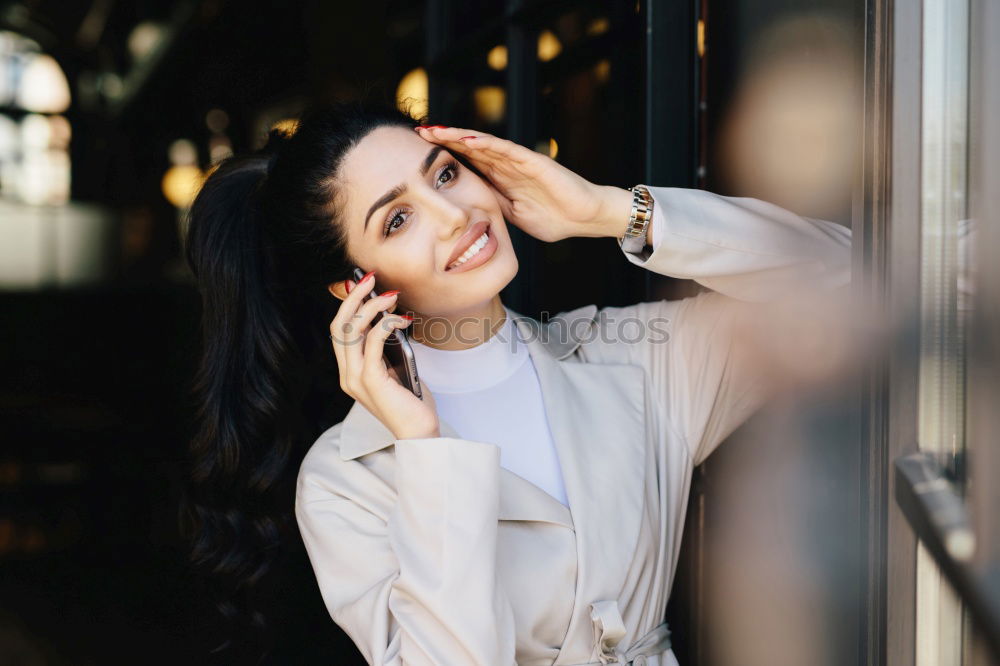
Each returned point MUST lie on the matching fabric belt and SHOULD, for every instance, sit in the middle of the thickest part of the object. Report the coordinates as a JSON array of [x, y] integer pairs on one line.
[[609, 629]]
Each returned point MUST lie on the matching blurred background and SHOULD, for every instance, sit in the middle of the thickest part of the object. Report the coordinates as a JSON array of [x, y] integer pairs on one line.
[[803, 543]]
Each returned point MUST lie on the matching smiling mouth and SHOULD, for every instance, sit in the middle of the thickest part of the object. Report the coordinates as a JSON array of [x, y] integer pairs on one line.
[[473, 250]]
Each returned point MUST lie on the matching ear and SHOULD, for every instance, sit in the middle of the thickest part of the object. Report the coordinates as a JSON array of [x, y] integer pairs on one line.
[[339, 289]]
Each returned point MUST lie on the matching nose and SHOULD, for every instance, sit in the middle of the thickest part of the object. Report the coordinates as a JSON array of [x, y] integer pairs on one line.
[[452, 219]]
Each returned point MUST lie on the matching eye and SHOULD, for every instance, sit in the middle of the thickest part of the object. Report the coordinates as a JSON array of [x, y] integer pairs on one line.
[[390, 223], [452, 167], [396, 220]]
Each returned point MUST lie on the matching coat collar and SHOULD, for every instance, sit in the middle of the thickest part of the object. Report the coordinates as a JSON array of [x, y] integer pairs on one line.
[[603, 459], [555, 338]]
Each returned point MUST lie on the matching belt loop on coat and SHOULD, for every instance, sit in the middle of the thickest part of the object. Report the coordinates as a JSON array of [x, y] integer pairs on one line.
[[609, 629]]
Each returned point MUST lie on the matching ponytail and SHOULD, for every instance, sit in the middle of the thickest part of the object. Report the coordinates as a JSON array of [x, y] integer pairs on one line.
[[264, 241], [246, 392]]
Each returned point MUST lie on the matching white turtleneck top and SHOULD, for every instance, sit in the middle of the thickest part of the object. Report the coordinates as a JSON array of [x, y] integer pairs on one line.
[[490, 393], [479, 390]]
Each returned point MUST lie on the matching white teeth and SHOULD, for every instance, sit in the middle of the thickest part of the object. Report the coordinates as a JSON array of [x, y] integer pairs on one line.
[[472, 251]]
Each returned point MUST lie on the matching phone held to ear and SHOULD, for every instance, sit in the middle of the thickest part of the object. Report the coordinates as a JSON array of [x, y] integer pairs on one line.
[[397, 351]]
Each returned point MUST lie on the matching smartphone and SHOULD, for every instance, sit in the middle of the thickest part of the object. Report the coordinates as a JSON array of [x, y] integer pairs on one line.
[[397, 351]]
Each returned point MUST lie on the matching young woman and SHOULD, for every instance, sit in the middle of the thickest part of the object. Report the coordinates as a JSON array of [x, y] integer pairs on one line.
[[529, 508]]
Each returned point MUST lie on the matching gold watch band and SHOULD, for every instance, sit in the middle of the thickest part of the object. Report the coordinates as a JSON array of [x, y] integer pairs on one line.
[[638, 223]]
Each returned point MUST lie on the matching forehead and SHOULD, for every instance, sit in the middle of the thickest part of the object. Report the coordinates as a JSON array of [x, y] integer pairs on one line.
[[384, 158]]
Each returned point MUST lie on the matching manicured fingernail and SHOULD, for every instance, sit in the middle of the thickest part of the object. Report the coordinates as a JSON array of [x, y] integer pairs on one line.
[[468, 137], [407, 317], [391, 292], [348, 285], [366, 276], [438, 126]]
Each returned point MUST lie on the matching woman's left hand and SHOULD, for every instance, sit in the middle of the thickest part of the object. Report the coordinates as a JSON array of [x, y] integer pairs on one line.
[[537, 194]]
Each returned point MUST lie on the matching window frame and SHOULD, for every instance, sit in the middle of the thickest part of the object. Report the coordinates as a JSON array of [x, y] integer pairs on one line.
[[907, 489]]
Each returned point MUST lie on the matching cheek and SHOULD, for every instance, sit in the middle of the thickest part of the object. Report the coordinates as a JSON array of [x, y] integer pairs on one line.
[[399, 263], [407, 264], [502, 232]]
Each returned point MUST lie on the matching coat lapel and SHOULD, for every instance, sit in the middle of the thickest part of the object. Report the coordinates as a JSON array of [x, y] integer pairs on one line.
[[520, 499], [597, 418]]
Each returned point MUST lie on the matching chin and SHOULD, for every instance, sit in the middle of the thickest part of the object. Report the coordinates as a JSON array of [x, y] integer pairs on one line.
[[483, 284], [470, 289]]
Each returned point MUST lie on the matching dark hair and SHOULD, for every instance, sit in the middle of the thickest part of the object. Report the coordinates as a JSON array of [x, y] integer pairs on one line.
[[264, 240]]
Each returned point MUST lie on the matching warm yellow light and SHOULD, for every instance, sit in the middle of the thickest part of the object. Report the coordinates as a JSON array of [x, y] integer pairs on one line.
[[497, 57], [602, 71], [411, 93], [550, 147], [598, 26], [548, 46], [180, 185], [286, 125], [490, 102], [701, 38]]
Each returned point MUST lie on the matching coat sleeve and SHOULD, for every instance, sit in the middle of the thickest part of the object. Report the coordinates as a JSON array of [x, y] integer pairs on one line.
[[411, 581], [749, 252]]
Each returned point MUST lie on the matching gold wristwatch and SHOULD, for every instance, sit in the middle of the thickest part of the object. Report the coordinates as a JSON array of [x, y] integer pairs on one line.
[[634, 239]]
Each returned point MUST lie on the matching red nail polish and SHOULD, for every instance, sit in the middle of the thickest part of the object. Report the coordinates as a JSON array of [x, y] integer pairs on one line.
[[468, 137], [366, 276], [407, 317], [348, 285], [439, 126], [391, 292], [421, 127]]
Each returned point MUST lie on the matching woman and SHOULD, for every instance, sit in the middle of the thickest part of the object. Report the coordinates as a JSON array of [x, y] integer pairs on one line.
[[529, 508]]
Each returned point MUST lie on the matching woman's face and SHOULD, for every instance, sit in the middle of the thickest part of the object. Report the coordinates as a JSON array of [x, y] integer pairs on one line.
[[411, 209]]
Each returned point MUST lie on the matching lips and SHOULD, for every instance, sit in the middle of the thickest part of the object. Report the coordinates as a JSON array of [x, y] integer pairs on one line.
[[466, 240]]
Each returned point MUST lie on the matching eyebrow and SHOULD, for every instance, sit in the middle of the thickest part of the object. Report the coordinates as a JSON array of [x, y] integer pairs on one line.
[[399, 190]]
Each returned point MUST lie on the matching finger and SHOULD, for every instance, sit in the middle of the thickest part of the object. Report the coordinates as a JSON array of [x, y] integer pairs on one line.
[[456, 139], [367, 312], [350, 305], [374, 366], [494, 159], [347, 333], [358, 327], [448, 133], [344, 328], [481, 144]]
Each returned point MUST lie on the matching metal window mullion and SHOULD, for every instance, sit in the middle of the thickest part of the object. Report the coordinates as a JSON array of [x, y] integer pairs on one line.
[[522, 127], [437, 39], [871, 255], [671, 69], [902, 280], [944, 150], [983, 493]]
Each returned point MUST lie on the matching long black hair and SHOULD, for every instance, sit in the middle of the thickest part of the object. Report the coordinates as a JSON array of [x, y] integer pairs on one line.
[[265, 238]]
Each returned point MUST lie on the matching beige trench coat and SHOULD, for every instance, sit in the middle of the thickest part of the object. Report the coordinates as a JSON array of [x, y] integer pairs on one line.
[[427, 551]]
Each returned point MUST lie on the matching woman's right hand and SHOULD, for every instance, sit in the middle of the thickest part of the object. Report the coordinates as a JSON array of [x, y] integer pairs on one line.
[[363, 372]]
